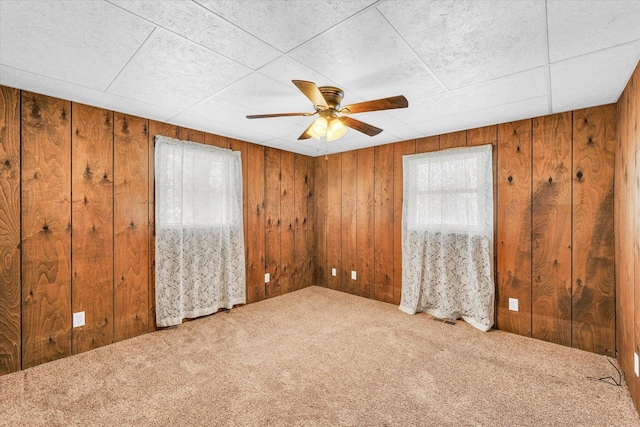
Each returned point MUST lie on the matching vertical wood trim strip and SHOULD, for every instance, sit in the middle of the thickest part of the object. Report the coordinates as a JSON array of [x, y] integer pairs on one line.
[[10, 269], [348, 220], [171, 131], [255, 224], [551, 218], [399, 149], [92, 225], [593, 320], [334, 225], [131, 226], [46, 229], [514, 232], [273, 221]]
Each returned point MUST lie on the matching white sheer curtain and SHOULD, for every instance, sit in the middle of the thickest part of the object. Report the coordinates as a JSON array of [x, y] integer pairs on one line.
[[200, 264], [447, 235]]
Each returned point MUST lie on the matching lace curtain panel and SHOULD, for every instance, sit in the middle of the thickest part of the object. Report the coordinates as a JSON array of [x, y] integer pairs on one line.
[[200, 265], [447, 235]]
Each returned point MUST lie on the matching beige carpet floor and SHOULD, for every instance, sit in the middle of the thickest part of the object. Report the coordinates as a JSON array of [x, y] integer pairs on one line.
[[319, 357]]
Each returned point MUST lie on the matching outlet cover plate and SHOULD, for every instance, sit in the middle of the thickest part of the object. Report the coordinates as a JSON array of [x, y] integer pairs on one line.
[[513, 304], [353, 275], [636, 364], [333, 272], [78, 319], [267, 278]]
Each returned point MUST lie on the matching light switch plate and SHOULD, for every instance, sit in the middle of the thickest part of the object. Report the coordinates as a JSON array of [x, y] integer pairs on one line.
[[353, 275], [267, 278], [78, 319], [333, 272], [513, 304], [636, 364]]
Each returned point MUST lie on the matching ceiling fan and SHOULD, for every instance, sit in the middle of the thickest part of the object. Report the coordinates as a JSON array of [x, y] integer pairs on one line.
[[326, 101]]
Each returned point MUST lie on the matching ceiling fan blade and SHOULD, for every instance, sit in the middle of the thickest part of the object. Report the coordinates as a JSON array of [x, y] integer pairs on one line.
[[266, 116], [306, 134], [376, 105], [312, 92], [360, 126]]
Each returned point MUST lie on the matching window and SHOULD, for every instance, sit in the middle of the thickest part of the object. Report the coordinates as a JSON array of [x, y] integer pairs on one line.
[[196, 186], [446, 190]]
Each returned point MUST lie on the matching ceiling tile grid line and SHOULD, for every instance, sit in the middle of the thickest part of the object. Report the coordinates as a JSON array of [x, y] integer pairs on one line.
[[434, 75], [120, 4], [130, 59], [545, 35]]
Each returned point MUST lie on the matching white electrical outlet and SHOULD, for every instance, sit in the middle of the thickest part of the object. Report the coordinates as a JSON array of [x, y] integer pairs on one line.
[[333, 272], [78, 319], [636, 364], [353, 275], [267, 278], [513, 304]]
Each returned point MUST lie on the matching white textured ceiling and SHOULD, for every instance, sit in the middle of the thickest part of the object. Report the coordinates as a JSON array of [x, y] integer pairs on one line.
[[206, 64]]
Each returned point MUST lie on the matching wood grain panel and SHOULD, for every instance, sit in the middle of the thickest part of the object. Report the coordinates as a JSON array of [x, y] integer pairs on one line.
[[551, 258], [287, 217], [482, 136], [311, 221], [428, 144], [242, 147], [365, 216], [171, 131], [187, 134], [216, 140], [348, 225], [46, 229], [625, 295], [300, 194], [399, 149], [453, 140], [383, 238], [634, 145], [514, 227], [92, 225], [321, 276], [272, 223], [593, 270], [334, 220], [130, 226], [255, 223], [10, 328]]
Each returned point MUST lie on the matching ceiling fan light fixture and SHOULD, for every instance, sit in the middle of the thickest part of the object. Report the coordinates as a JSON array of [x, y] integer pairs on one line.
[[319, 128], [336, 129]]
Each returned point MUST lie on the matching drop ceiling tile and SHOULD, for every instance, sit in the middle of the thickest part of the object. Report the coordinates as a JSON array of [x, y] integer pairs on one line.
[[221, 110], [505, 90], [592, 79], [369, 59], [468, 42], [202, 26], [285, 69], [218, 128], [285, 24], [578, 27], [171, 71], [261, 93], [25, 80], [524, 109], [388, 123], [86, 43]]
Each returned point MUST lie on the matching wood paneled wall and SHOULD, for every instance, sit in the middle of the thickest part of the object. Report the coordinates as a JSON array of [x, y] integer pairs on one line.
[[553, 223], [627, 231], [77, 225]]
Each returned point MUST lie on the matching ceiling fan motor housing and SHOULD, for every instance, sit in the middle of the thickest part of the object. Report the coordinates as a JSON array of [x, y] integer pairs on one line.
[[332, 95]]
